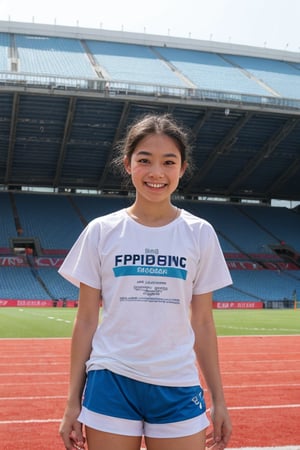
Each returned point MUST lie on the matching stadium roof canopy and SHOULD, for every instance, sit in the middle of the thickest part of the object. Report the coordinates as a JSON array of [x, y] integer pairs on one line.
[[67, 94]]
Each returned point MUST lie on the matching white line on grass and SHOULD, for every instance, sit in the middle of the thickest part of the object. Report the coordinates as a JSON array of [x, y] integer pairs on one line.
[[231, 327], [249, 336], [58, 319], [39, 314]]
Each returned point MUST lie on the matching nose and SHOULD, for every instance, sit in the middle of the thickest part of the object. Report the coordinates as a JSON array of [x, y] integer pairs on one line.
[[156, 171]]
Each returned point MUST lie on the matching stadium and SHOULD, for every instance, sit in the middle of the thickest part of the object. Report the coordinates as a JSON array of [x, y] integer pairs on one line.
[[67, 96]]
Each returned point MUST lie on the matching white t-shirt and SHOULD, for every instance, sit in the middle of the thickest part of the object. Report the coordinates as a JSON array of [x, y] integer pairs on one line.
[[147, 276]]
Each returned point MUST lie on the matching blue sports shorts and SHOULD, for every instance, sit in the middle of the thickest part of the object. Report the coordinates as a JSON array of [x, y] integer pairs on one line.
[[118, 404]]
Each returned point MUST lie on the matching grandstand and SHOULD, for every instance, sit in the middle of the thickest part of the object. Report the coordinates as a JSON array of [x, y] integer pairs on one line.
[[67, 95]]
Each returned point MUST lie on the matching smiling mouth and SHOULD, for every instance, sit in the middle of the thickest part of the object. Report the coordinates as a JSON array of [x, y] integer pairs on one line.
[[156, 185]]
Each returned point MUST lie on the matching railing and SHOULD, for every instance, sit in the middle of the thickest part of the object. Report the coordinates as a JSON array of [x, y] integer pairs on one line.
[[121, 88]]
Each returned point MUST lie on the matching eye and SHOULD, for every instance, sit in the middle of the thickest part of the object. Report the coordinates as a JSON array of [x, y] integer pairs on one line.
[[143, 161], [169, 162]]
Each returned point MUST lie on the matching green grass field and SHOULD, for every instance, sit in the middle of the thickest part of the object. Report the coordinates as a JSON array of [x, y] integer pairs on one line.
[[36, 322], [58, 322], [257, 322]]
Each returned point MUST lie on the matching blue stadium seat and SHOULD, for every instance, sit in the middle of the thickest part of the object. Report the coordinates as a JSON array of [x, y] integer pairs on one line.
[[210, 71], [50, 218], [279, 75], [53, 56], [20, 283], [7, 224], [134, 63], [4, 46], [243, 231], [57, 285]]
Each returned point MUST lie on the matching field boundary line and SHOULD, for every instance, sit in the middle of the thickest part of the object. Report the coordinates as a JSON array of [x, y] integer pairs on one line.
[[221, 336], [239, 336]]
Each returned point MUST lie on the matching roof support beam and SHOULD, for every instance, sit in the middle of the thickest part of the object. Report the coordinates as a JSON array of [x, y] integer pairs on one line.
[[66, 136], [222, 148], [266, 152], [201, 121], [121, 125], [12, 137], [285, 176]]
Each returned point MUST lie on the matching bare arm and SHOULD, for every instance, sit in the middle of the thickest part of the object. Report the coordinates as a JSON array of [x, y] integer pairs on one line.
[[206, 350], [85, 325]]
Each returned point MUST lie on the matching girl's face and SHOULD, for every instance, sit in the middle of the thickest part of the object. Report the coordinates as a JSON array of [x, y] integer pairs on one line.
[[155, 167]]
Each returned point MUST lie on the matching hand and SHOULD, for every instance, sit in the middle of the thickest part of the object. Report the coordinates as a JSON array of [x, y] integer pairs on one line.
[[218, 439], [78, 443], [70, 431]]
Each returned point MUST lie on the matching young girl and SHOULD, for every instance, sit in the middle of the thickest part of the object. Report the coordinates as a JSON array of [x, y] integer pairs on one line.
[[153, 268]]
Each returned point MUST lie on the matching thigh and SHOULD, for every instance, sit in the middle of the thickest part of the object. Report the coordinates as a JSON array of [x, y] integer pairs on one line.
[[193, 442], [97, 440]]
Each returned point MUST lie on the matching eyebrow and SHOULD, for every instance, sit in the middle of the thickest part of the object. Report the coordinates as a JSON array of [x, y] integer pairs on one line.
[[165, 155]]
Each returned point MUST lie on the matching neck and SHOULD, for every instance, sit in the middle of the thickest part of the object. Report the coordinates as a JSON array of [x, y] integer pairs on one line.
[[154, 214]]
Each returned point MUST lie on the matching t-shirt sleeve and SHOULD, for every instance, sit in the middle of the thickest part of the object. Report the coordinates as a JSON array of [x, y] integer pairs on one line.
[[82, 264], [212, 273]]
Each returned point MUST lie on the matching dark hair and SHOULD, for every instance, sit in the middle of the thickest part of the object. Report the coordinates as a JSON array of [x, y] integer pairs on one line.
[[153, 124]]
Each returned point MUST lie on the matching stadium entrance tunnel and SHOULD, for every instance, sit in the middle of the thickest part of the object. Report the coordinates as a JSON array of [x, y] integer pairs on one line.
[[286, 253], [26, 246]]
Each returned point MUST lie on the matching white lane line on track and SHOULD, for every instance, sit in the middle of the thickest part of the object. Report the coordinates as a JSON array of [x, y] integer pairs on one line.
[[223, 372], [263, 386], [246, 372], [34, 421], [42, 383], [43, 397], [285, 447], [32, 373], [234, 408], [64, 360], [13, 422]]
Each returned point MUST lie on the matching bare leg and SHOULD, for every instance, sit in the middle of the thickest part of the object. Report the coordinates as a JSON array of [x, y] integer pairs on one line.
[[100, 440], [193, 442]]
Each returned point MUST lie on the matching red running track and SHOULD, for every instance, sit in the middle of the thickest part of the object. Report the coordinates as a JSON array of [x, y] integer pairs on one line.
[[261, 377]]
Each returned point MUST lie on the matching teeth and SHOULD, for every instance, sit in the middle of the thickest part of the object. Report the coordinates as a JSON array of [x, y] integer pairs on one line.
[[155, 185]]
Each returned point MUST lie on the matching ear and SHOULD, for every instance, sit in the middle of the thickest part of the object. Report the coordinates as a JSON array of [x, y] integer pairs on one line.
[[127, 164], [183, 169]]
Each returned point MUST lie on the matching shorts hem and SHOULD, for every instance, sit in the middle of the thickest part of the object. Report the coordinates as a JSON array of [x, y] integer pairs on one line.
[[110, 424], [128, 427]]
